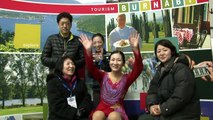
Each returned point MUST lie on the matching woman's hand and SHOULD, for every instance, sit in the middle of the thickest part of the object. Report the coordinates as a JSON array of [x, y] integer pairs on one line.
[[97, 57], [134, 40], [155, 110], [209, 66], [86, 42]]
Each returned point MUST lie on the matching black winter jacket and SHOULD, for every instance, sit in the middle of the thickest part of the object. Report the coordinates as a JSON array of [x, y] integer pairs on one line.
[[56, 46], [174, 88], [57, 95]]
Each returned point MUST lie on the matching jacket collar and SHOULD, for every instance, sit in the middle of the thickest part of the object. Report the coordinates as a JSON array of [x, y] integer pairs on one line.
[[70, 38], [166, 69]]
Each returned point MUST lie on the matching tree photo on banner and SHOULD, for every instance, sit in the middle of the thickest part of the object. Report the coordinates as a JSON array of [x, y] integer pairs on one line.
[[25, 27], [191, 25]]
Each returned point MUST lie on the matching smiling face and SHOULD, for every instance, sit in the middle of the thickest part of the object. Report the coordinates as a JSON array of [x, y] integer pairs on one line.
[[68, 67], [97, 43], [121, 19], [163, 53], [116, 62], [64, 26]]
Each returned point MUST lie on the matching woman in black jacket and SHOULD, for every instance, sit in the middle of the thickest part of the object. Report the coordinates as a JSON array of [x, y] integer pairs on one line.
[[67, 95], [172, 93], [100, 55]]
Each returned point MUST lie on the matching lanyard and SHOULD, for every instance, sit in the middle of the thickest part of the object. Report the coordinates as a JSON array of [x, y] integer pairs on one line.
[[70, 89], [100, 62]]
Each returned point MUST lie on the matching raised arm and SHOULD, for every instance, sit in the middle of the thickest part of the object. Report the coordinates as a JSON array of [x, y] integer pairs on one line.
[[134, 40], [96, 73], [138, 65], [86, 43]]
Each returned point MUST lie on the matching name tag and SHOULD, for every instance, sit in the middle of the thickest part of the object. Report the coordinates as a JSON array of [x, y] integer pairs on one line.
[[72, 101]]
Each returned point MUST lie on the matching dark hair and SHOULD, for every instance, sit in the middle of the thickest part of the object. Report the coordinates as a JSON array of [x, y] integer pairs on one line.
[[60, 64], [119, 52], [64, 15], [168, 44], [100, 35]]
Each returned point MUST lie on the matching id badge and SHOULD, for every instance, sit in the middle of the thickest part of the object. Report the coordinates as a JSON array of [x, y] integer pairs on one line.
[[72, 101]]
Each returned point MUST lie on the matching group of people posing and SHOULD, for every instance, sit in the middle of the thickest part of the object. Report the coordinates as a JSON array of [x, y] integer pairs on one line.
[[172, 93]]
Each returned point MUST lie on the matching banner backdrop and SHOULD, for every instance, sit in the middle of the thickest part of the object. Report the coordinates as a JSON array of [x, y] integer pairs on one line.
[[26, 24]]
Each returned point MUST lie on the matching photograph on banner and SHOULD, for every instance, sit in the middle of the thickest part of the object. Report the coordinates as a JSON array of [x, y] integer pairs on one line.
[[191, 25], [16, 29], [19, 32], [23, 84], [140, 86], [142, 82], [27, 32], [150, 25]]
